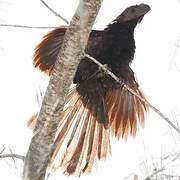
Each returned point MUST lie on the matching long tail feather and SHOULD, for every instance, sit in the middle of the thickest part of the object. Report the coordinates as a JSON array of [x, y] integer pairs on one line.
[[62, 134], [91, 147], [80, 148], [87, 138]]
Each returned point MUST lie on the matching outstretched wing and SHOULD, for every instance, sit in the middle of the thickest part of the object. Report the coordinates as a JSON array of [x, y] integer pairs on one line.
[[46, 52], [124, 111]]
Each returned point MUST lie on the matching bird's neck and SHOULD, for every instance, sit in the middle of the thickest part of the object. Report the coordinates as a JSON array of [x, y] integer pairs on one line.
[[121, 45], [124, 29]]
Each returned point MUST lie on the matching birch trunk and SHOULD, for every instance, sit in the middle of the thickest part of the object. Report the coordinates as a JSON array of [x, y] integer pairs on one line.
[[75, 40]]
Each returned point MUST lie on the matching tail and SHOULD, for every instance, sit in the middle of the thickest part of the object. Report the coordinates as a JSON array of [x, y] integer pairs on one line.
[[46, 52], [86, 140]]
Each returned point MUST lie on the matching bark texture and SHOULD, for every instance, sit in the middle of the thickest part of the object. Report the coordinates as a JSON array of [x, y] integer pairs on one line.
[[38, 155]]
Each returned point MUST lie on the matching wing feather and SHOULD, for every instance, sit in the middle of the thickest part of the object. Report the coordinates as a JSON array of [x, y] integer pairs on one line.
[[92, 147], [80, 148], [46, 52], [124, 109]]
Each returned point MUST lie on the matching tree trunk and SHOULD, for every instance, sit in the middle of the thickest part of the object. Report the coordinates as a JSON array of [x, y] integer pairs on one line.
[[38, 155]]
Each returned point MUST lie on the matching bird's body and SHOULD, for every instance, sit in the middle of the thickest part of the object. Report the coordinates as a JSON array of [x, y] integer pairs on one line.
[[98, 103]]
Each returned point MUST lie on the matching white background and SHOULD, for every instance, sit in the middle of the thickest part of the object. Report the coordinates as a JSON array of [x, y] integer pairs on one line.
[[156, 64]]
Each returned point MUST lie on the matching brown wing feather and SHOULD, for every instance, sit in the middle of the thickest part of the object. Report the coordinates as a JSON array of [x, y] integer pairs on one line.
[[123, 110], [91, 147], [119, 118], [119, 114], [80, 148], [62, 134], [125, 121], [46, 52], [132, 116]]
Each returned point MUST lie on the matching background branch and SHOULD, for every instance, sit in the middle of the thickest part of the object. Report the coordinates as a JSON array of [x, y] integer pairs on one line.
[[54, 12], [165, 166], [2, 150], [22, 26], [17, 156]]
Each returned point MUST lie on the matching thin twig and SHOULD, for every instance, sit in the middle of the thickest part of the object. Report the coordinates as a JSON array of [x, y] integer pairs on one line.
[[154, 173], [165, 166], [55, 13], [168, 176], [2, 150], [22, 26], [133, 92], [12, 156]]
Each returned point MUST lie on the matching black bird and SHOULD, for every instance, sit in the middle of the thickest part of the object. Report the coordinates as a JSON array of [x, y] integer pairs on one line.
[[97, 105]]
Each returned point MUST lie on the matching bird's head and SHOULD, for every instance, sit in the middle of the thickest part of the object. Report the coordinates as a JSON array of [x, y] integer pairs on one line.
[[135, 12]]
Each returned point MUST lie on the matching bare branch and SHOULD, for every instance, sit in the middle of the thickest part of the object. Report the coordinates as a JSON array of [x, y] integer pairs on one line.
[[133, 92], [154, 173], [22, 26], [55, 13], [12, 156], [2, 150], [157, 171]]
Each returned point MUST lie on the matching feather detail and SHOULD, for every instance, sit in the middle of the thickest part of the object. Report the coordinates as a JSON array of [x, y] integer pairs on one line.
[[111, 103], [46, 52], [32, 121], [123, 110], [92, 146], [62, 134], [132, 117], [76, 159], [85, 137]]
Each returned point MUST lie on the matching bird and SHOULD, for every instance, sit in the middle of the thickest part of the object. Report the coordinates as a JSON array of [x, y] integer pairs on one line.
[[96, 107]]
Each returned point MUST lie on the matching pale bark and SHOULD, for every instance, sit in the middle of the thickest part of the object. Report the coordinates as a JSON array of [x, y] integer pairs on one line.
[[75, 40]]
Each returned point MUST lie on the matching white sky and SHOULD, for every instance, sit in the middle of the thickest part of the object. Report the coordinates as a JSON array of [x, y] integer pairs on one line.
[[154, 64]]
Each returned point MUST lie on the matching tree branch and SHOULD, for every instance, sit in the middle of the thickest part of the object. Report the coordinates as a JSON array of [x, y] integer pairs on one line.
[[55, 13], [12, 156], [155, 173], [176, 156], [2, 150], [75, 40], [133, 92], [22, 26]]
